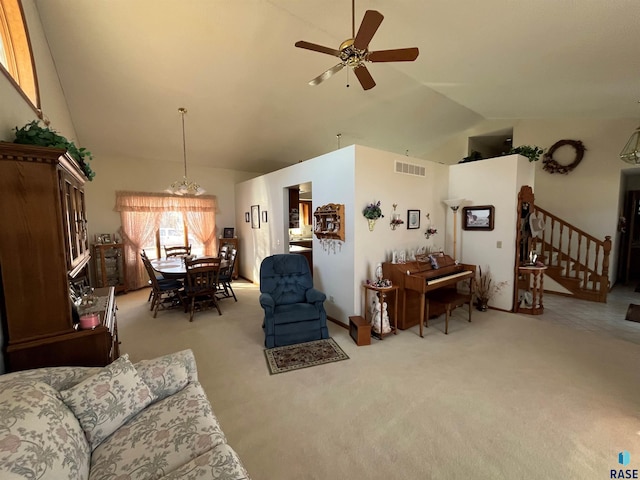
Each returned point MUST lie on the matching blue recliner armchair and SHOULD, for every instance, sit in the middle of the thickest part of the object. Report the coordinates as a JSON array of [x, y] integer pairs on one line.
[[293, 309]]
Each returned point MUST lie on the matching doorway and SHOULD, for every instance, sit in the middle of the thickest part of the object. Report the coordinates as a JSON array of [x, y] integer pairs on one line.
[[628, 268], [301, 221], [629, 259]]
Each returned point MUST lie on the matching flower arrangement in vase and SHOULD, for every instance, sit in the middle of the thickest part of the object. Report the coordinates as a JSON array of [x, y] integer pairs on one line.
[[395, 218], [486, 288], [372, 212], [430, 230]]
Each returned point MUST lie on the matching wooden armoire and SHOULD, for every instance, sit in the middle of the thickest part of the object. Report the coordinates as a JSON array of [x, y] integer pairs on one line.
[[43, 247]]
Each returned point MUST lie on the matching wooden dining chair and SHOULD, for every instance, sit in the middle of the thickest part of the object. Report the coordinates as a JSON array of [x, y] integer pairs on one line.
[[177, 251], [226, 277], [165, 293], [201, 284], [144, 257]]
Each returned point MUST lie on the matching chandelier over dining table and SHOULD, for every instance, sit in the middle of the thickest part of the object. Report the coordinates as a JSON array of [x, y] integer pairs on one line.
[[184, 186]]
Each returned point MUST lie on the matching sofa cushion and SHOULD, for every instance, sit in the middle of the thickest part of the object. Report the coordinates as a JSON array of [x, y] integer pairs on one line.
[[296, 312], [166, 435], [168, 374], [221, 462], [106, 400], [60, 378], [39, 436]]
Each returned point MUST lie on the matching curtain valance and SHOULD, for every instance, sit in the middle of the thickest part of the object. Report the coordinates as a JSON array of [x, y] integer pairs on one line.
[[162, 202]]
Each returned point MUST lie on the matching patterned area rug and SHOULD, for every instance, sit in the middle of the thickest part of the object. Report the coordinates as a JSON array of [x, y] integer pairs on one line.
[[303, 355]]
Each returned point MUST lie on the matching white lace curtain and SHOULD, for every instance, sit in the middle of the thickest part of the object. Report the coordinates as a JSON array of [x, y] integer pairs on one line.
[[141, 213]]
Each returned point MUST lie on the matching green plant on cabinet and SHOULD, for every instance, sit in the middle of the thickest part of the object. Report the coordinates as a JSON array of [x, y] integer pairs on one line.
[[35, 134]]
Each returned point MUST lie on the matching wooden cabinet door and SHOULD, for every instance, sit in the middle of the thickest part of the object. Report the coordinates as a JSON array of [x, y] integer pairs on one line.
[[32, 252], [74, 222], [294, 208], [110, 268], [306, 214]]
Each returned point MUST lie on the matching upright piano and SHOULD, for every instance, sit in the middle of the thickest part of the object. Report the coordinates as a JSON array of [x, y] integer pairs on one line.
[[417, 278]]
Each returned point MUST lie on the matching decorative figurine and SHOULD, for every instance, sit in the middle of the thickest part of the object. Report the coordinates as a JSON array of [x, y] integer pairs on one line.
[[379, 317]]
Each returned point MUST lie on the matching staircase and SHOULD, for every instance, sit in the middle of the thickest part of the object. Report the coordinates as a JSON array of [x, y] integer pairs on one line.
[[576, 260]]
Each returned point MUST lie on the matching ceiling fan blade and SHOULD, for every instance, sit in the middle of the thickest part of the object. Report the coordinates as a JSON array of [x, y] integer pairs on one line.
[[370, 23], [364, 77], [321, 78], [318, 48], [398, 55]]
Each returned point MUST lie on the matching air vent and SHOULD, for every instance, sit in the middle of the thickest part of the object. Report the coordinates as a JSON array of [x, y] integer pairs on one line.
[[410, 169]]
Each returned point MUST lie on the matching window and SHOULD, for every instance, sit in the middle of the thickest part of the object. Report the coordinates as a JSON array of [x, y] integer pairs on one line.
[[151, 221], [173, 231], [16, 58]]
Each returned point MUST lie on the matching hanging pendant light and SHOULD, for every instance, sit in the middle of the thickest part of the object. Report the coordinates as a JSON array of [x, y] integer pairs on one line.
[[184, 186], [631, 151]]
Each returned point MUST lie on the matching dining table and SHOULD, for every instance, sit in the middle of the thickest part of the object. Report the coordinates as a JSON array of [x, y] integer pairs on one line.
[[174, 267]]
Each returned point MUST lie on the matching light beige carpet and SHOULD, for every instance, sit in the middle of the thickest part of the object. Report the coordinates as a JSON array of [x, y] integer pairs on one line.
[[505, 397]]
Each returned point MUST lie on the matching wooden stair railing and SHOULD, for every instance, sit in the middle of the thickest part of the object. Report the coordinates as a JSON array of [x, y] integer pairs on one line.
[[576, 260]]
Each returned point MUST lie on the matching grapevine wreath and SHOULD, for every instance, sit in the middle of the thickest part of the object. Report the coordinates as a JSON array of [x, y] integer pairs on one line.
[[552, 166]]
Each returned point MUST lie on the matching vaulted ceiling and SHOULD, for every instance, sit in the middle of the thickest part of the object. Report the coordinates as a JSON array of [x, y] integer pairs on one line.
[[126, 66]]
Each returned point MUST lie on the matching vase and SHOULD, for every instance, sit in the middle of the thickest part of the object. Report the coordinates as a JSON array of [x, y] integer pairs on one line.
[[482, 305], [372, 223]]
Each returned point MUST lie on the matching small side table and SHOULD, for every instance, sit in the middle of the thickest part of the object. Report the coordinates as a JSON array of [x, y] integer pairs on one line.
[[382, 293], [534, 278]]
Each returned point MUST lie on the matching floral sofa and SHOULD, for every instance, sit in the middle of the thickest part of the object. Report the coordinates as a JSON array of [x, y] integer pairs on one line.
[[151, 420]]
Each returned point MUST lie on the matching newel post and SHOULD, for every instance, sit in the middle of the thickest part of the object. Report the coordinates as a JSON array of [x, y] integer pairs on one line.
[[606, 247]]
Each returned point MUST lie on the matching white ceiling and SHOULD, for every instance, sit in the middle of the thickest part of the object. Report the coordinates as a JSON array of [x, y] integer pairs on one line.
[[126, 66]]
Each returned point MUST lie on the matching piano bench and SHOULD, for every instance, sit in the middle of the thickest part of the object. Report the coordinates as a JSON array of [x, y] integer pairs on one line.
[[450, 299], [360, 330]]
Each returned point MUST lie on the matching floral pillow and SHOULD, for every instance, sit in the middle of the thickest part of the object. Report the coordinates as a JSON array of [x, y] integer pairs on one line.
[[106, 400], [39, 436], [165, 375]]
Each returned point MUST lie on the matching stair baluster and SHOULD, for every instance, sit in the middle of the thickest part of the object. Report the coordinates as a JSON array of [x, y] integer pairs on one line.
[[585, 271], [587, 275]]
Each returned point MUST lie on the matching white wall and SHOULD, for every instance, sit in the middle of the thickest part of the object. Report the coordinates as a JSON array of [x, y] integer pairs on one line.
[[130, 174], [589, 196], [494, 181], [332, 181], [353, 176], [377, 180]]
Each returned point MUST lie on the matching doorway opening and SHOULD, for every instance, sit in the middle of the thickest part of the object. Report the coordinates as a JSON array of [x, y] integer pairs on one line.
[[300, 210], [629, 228]]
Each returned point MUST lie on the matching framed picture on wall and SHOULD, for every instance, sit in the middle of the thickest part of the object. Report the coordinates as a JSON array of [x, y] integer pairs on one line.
[[264, 216], [255, 216], [413, 219], [228, 232], [478, 218], [247, 217]]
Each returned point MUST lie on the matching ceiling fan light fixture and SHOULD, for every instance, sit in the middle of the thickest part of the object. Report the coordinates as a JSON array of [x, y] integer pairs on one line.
[[631, 151], [354, 51], [184, 186]]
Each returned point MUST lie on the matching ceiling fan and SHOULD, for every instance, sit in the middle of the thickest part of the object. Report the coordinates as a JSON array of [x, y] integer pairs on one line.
[[353, 52]]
